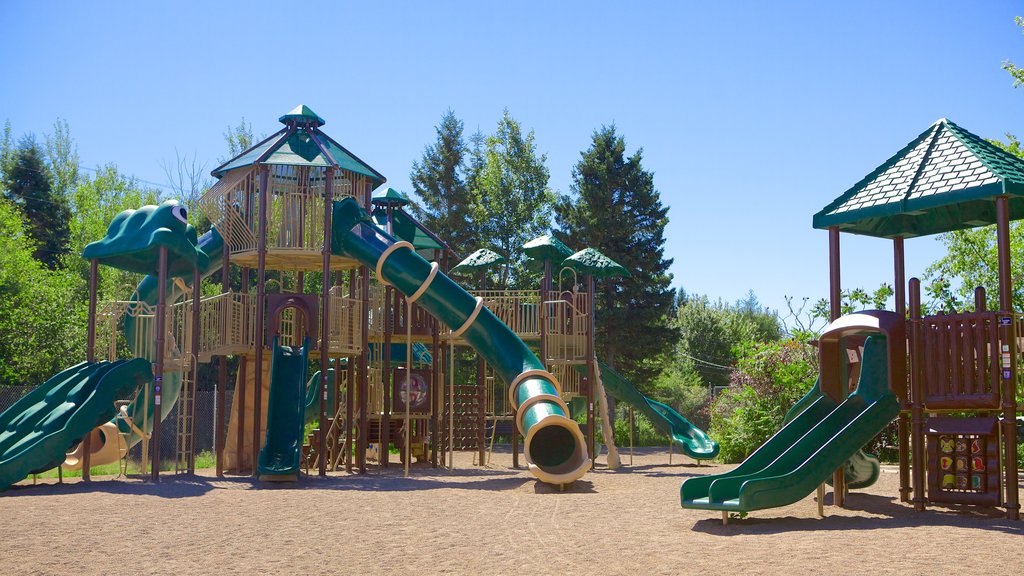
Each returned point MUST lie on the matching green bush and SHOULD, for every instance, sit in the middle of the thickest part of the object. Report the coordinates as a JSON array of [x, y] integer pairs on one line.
[[768, 380]]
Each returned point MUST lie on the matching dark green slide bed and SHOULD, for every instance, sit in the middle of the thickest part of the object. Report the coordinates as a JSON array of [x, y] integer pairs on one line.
[[805, 452], [38, 430], [282, 453]]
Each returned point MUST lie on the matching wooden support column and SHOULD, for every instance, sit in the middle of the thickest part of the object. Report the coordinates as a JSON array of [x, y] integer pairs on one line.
[[917, 396], [591, 368], [436, 390], [158, 364], [1009, 353], [261, 303], [390, 316], [364, 369], [90, 356], [903, 422], [350, 381], [240, 381], [835, 311], [222, 371], [197, 281], [325, 301]]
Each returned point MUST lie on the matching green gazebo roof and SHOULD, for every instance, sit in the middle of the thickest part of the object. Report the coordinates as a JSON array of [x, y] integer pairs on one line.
[[945, 179], [547, 247], [301, 143], [591, 262], [405, 227], [389, 196], [479, 260]]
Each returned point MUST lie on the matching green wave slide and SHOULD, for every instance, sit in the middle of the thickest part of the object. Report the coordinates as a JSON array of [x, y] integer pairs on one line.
[[554, 446], [693, 441], [805, 452], [282, 452], [37, 431]]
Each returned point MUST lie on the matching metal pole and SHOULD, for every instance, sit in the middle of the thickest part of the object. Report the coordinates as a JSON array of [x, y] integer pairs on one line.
[[325, 317], [364, 369], [591, 373], [408, 382], [917, 396], [1009, 355], [197, 280], [222, 372], [158, 364], [835, 311], [390, 315], [350, 382]]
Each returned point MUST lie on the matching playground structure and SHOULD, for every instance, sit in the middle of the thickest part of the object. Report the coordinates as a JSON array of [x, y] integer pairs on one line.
[[957, 410], [295, 204]]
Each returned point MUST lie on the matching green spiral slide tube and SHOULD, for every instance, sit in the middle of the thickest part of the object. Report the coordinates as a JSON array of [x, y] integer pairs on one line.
[[554, 446]]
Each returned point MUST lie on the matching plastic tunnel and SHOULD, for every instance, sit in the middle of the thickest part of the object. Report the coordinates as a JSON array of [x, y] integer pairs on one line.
[[554, 445]]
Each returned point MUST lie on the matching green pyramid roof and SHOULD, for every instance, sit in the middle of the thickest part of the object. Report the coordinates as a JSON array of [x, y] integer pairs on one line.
[[301, 143], [405, 227], [945, 179], [302, 114], [479, 260], [547, 247], [591, 262], [389, 196]]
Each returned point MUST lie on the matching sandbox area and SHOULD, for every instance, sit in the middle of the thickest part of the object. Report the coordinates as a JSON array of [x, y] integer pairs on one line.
[[493, 520]]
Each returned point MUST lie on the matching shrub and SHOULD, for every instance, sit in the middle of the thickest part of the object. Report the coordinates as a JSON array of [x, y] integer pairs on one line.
[[769, 378]]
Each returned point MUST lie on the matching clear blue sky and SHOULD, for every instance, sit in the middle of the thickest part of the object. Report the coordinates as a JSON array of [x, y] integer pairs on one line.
[[752, 116]]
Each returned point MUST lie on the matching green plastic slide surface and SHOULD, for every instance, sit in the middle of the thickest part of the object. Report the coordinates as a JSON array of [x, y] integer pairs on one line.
[[554, 444], [37, 431], [312, 401], [807, 450], [281, 454], [693, 441]]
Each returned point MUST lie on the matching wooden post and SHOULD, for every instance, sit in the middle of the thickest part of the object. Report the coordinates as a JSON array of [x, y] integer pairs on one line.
[[435, 389], [222, 371], [364, 369], [261, 302], [408, 384], [197, 280], [835, 311], [90, 356], [1009, 354], [917, 396], [390, 321], [591, 372], [325, 301], [350, 382], [240, 386], [158, 364], [903, 422]]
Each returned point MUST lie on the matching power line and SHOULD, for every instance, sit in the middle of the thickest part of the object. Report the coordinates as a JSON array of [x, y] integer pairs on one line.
[[705, 362]]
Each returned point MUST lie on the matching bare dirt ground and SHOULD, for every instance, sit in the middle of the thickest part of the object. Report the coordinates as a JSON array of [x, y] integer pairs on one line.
[[471, 520]]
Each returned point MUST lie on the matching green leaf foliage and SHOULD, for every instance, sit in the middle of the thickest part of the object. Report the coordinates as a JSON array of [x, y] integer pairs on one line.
[[615, 208], [28, 184]]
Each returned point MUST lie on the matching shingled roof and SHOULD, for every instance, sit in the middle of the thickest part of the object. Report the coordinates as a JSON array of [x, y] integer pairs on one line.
[[945, 179]]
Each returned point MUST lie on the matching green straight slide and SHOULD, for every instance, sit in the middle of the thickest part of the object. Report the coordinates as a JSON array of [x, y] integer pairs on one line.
[[805, 452], [282, 452], [554, 445], [692, 440], [37, 431], [312, 402]]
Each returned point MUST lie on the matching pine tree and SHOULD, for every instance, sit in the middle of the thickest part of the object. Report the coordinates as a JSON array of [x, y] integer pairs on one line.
[[28, 185], [439, 181], [616, 210]]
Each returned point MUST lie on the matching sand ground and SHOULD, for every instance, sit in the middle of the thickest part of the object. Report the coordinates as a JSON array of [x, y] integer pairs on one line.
[[493, 520]]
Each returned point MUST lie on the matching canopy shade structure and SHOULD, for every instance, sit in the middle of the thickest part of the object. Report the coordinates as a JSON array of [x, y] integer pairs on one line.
[[547, 247], [592, 263], [945, 179], [301, 143], [479, 260], [407, 228], [389, 196]]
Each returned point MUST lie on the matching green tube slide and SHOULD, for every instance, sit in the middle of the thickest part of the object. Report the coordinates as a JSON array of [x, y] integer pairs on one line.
[[554, 445], [312, 402], [281, 454], [805, 452], [37, 431], [693, 441]]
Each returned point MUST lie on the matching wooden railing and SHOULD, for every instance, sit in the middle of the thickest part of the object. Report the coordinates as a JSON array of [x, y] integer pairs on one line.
[[518, 309], [566, 320], [345, 333], [961, 364]]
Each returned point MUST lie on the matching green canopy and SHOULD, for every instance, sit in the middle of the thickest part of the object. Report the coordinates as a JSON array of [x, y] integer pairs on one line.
[[546, 247], [592, 263], [134, 239], [479, 260], [946, 179], [389, 196], [301, 143], [405, 227]]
